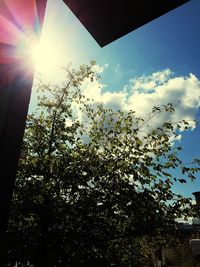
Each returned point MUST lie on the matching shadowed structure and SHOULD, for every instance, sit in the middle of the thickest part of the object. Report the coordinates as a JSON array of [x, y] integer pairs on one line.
[[20, 22], [108, 20], [197, 198]]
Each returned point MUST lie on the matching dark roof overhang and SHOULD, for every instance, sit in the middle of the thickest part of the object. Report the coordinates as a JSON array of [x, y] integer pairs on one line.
[[108, 20]]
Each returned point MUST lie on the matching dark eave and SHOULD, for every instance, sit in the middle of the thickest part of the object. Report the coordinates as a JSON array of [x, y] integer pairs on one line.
[[108, 20]]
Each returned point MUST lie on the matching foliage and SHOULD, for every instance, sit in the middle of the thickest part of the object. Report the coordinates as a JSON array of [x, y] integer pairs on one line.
[[97, 192]]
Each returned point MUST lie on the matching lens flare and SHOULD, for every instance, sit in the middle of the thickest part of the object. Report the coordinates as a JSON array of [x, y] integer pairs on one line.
[[19, 20]]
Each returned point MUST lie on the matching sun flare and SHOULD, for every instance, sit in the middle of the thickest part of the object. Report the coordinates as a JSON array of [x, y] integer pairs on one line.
[[45, 57]]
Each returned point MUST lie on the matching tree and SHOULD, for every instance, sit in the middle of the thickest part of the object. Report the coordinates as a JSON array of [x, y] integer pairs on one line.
[[97, 192]]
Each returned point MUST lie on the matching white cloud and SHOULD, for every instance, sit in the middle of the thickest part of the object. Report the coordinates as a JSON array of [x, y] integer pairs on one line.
[[118, 69], [98, 69], [150, 82], [114, 100], [156, 89], [182, 92], [92, 90]]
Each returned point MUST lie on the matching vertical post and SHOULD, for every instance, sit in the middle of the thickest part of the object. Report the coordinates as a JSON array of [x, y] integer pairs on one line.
[[15, 91], [15, 94]]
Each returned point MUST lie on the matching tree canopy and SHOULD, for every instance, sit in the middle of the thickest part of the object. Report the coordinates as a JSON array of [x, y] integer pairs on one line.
[[94, 185]]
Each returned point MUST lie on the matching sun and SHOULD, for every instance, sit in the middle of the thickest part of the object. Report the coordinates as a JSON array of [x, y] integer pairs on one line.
[[42, 55], [45, 56]]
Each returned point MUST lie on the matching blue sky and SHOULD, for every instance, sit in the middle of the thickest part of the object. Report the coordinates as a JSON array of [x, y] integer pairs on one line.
[[163, 56]]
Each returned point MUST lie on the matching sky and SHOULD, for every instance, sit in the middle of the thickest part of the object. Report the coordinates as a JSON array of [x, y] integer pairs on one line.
[[156, 64]]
